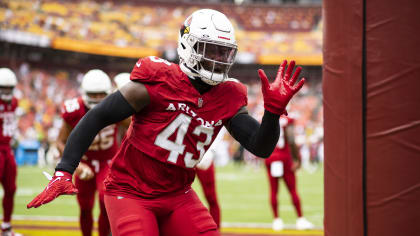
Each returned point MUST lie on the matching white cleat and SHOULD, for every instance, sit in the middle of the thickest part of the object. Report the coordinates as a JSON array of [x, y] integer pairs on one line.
[[278, 224], [303, 224]]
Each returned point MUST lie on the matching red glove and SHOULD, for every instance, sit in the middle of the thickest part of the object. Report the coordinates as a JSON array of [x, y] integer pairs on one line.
[[59, 184], [278, 94]]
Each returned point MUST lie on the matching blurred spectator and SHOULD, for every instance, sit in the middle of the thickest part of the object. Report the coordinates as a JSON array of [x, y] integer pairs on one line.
[[281, 29]]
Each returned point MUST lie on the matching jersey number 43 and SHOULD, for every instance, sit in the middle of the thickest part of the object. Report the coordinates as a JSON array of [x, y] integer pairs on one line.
[[180, 125]]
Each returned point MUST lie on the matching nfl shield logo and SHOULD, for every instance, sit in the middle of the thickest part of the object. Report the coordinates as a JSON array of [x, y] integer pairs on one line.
[[200, 102]]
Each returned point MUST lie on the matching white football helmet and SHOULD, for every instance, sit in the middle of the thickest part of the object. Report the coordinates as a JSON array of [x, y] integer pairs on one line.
[[95, 82], [8, 82], [207, 46], [121, 79]]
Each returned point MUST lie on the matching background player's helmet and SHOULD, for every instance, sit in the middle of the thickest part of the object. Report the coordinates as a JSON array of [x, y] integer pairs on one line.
[[121, 79], [96, 85], [207, 46], [8, 82]]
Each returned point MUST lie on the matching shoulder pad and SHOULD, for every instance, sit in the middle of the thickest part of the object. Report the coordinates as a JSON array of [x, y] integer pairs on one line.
[[72, 110]]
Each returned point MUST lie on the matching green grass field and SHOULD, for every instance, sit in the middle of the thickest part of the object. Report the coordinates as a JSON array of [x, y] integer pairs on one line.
[[242, 192]]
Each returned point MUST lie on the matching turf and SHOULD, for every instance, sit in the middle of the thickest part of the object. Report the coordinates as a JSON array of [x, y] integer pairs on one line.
[[242, 192]]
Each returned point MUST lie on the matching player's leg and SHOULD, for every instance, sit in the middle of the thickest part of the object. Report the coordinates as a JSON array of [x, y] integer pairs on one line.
[[85, 198], [274, 174], [8, 180], [274, 188], [290, 180], [103, 223], [188, 218], [208, 183], [128, 217]]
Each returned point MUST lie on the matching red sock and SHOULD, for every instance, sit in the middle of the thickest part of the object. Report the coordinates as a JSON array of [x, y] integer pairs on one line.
[[86, 222], [103, 224]]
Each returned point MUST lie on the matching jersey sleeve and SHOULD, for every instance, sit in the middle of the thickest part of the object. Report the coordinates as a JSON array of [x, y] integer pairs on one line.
[[142, 71], [243, 94], [71, 111], [151, 72], [146, 69], [239, 93]]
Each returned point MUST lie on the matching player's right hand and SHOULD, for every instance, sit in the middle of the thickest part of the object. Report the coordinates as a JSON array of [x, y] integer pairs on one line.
[[59, 184], [206, 161], [84, 172], [278, 94]]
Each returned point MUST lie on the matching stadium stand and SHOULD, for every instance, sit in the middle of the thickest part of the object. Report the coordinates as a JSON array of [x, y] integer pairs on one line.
[[126, 30], [131, 29]]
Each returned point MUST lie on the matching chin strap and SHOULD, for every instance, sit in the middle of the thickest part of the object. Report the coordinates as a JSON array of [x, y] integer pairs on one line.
[[192, 74]]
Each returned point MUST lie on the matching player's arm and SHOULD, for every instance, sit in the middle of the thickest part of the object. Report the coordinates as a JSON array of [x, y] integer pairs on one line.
[[114, 108], [63, 134], [261, 139], [83, 170], [125, 123]]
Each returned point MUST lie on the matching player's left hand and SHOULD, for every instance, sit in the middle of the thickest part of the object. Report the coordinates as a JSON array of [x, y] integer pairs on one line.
[[59, 184], [278, 94]]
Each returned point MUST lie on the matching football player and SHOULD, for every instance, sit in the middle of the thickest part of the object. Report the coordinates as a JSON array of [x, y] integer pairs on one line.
[[94, 166], [282, 164], [177, 110], [8, 170]]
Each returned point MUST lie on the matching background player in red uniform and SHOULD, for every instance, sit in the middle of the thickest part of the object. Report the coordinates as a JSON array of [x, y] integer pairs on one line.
[[94, 166], [177, 111], [120, 80], [206, 174], [207, 177], [8, 169], [281, 166]]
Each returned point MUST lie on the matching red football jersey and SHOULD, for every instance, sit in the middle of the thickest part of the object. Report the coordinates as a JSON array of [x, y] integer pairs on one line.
[[175, 129], [282, 150], [105, 145], [8, 123]]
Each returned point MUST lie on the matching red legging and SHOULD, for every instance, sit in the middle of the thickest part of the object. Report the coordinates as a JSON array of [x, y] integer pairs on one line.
[[179, 214], [86, 198], [290, 180], [208, 183], [8, 172]]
